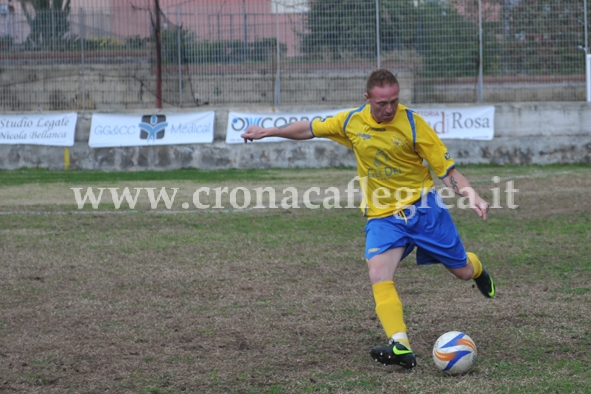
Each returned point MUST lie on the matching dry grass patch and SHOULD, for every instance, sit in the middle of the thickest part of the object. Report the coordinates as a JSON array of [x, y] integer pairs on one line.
[[278, 301]]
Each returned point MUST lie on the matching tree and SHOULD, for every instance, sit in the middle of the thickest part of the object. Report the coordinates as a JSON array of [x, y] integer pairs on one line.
[[49, 24], [545, 37], [444, 38], [339, 27]]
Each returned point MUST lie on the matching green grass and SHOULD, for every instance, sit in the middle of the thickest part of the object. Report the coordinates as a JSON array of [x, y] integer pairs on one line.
[[42, 176], [278, 301]]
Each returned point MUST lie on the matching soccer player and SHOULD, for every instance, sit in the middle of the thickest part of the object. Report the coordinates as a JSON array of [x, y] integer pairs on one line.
[[403, 209]]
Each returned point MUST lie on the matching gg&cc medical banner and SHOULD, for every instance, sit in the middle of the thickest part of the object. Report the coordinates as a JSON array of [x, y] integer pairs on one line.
[[38, 129], [114, 130]]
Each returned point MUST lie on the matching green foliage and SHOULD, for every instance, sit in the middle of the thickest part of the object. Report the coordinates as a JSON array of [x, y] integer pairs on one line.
[[340, 27], [545, 37], [446, 40], [102, 43], [5, 42], [226, 51], [438, 32], [233, 51], [535, 37], [135, 42], [49, 24], [170, 45], [223, 51]]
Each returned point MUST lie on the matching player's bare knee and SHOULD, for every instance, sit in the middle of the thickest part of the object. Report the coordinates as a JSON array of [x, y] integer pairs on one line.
[[377, 276], [464, 273]]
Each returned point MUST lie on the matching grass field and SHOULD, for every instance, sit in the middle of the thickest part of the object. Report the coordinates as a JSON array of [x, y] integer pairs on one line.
[[226, 300]]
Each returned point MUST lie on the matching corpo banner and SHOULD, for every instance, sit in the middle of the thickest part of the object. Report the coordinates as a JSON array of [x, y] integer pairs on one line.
[[113, 130], [42, 129], [238, 122], [474, 123]]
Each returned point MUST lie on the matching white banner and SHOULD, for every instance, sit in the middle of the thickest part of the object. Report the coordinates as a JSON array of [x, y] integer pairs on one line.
[[473, 123], [113, 130], [238, 122], [38, 129]]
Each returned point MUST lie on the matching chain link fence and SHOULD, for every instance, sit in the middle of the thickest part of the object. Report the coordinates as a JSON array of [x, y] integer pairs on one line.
[[182, 54]]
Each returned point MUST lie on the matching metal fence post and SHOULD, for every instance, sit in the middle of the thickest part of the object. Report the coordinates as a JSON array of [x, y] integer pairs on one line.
[[586, 29], [479, 88], [587, 56], [82, 39], [245, 44], [378, 33], [53, 31], [179, 52], [277, 95]]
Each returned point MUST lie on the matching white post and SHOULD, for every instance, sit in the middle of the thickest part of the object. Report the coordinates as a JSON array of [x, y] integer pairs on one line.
[[588, 71]]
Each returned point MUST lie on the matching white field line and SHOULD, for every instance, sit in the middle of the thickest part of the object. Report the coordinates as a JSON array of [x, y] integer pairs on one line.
[[240, 210]]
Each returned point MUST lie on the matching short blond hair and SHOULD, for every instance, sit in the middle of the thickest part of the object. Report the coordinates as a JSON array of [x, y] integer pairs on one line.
[[380, 77]]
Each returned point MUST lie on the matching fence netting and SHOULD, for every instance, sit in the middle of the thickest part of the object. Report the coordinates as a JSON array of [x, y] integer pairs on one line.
[[57, 55]]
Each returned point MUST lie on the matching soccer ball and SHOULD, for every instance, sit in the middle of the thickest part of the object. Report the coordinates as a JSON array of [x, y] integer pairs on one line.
[[454, 353]]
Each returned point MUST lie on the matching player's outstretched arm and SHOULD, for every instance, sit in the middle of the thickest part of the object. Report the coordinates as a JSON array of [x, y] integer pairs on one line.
[[460, 185], [299, 130]]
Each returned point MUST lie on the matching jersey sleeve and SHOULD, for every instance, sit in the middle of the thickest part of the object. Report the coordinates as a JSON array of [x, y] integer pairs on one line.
[[332, 128], [430, 147]]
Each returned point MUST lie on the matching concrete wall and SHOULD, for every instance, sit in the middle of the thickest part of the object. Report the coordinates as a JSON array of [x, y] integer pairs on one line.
[[525, 133], [131, 86], [127, 87]]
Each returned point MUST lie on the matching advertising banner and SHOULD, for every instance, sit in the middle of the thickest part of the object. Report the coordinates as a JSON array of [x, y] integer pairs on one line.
[[473, 123], [238, 122], [115, 130], [38, 129]]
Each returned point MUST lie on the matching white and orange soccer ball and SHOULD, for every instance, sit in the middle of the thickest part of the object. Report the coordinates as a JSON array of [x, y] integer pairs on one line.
[[454, 353]]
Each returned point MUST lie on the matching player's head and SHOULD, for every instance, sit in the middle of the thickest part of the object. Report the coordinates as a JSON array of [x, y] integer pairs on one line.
[[381, 92]]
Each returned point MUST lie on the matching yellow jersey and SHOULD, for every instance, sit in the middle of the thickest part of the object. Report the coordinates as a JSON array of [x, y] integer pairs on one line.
[[389, 156]]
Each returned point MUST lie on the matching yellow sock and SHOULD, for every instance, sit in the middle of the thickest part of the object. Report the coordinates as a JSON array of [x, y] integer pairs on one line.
[[476, 264], [389, 311]]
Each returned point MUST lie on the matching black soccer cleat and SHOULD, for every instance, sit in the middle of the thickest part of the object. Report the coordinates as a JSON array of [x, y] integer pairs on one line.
[[485, 284], [395, 353]]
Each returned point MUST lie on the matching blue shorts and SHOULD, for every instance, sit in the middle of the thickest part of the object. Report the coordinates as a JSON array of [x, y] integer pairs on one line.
[[426, 225]]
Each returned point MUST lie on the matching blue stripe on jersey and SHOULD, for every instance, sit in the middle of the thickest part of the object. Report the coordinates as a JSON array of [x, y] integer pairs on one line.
[[448, 170], [349, 117], [411, 119]]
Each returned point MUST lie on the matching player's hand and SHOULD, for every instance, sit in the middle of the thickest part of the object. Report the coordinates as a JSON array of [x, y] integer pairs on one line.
[[481, 208], [253, 132]]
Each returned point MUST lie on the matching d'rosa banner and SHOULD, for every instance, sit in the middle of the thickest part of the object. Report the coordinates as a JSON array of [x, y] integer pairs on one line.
[[38, 129], [475, 123], [114, 130]]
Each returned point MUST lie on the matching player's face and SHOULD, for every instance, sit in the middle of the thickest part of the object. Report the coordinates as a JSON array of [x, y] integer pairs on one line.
[[383, 101]]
